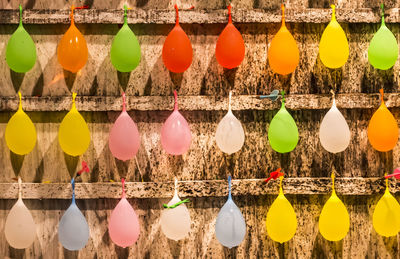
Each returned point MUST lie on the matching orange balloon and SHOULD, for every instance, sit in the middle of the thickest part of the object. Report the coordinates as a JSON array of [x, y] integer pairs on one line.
[[177, 51], [230, 45], [383, 131], [72, 51], [283, 53]]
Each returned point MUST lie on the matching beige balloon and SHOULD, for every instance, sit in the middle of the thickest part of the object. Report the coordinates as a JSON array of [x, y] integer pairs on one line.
[[20, 229]]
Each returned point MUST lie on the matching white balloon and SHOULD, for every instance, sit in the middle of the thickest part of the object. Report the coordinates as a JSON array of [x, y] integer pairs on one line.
[[175, 223], [230, 134], [73, 230], [334, 133], [230, 227], [20, 229]]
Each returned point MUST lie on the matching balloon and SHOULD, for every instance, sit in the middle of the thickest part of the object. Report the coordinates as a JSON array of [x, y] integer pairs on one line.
[[281, 219], [386, 217], [333, 47], [20, 132], [230, 47], [283, 53], [230, 134], [230, 227], [21, 50], [175, 220], [334, 221], [282, 133], [175, 133], [20, 229], [124, 140], [382, 129], [334, 133], [73, 134], [125, 48], [72, 51], [383, 49], [177, 52], [123, 226], [73, 230]]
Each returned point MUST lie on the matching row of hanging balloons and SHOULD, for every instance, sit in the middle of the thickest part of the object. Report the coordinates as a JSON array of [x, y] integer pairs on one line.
[[177, 52], [230, 226]]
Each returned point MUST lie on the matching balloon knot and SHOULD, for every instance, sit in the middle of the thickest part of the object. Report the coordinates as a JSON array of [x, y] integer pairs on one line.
[[274, 175], [176, 204]]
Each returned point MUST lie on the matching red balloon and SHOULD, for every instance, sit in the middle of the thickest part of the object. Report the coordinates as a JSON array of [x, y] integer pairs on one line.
[[177, 51], [230, 45]]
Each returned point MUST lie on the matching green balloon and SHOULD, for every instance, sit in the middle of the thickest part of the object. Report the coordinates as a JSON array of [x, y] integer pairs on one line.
[[125, 49], [21, 50], [282, 133], [383, 49]]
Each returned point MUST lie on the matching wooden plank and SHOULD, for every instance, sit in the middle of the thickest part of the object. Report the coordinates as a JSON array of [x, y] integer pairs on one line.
[[310, 15], [204, 103], [206, 188]]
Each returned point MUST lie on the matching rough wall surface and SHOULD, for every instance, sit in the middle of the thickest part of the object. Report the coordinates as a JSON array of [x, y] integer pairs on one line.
[[47, 162]]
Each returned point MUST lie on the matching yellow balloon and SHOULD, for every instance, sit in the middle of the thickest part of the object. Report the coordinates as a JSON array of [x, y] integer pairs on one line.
[[73, 134], [281, 220], [20, 132], [333, 47], [334, 221], [386, 217]]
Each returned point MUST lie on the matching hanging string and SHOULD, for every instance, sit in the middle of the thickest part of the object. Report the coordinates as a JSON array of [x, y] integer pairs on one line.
[[20, 15], [229, 13], [176, 101], [73, 189], [274, 175], [78, 7], [230, 101], [229, 187], [123, 102], [176, 14], [123, 188], [381, 91], [20, 101], [19, 187], [333, 97]]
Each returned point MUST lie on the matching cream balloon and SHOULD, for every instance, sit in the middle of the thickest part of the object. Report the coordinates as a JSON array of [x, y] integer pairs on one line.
[[20, 229], [175, 222], [230, 134], [334, 133]]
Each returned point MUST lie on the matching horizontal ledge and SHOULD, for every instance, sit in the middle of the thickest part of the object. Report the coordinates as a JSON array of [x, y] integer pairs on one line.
[[206, 188], [196, 103], [95, 16]]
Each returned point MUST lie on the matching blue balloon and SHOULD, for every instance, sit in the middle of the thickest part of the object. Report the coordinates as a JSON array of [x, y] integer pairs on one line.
[[230, 227]]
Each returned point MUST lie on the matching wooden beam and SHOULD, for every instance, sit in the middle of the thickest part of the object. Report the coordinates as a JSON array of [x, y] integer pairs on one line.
[[203, 103], [206, 188], [95, 16]]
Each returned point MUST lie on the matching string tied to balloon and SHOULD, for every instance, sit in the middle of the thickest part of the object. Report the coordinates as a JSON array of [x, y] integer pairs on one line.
[[274, 175], [381, 92], [175, 100], [230, 187], [85, 168], [273, 96], [333, 97], [73, 189], [396, 174], [20, 101], [333, 12]]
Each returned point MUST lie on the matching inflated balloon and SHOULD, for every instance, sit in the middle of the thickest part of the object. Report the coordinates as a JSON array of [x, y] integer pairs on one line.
[[383, 49], [230, 134], [382, 129], [334, 220], [386, 217], [283, 53], [230, 227], [73, 230], [72, 51], [124, 139], [20, 132], [230, 47], [21, 50], [177, 52], [175, 133], [125, 49], [175, 218], [281, 219], [282, 132], [123, 226], [20, 229], [334, 133], [333, 47]]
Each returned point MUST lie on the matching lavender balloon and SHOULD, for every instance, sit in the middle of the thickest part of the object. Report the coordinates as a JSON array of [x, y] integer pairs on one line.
[[73, 230], [230, 227]]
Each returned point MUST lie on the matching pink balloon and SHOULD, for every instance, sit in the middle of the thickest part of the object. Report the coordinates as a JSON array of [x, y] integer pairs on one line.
[[175, 133], [124, 139], [123, 226]]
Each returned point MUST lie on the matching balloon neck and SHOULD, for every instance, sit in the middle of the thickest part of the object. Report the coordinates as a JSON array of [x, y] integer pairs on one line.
[[176, 15], [280, 185], [175, 101], [333, 13], [123, 102], [72, 14], [125, 14], [283, 15], [73, 101], [229, 13], [20, 101], [19, 188], [383, 14], [73, 189], [334, 103], [123, 188], [381, 92], [229, 188], [20, 15]]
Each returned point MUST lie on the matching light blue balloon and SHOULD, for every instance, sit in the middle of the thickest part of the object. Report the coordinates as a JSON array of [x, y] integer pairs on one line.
[[73, 230], [230, 227]]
